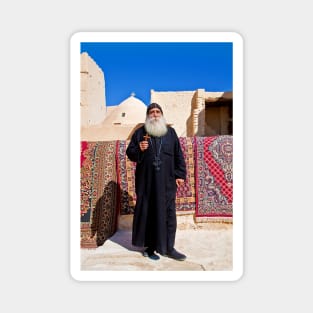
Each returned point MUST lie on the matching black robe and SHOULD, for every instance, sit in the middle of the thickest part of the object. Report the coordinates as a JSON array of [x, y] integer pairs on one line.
[[154, 223]]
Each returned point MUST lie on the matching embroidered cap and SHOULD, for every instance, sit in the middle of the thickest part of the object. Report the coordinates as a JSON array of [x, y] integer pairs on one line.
[[154, 106]]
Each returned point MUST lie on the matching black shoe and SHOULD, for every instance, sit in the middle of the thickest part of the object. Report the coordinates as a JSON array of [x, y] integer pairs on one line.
[[150, 254], [176, 255]]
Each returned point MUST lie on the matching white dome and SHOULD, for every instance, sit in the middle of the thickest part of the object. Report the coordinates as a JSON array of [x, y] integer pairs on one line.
[[128, 112], [132, 102]]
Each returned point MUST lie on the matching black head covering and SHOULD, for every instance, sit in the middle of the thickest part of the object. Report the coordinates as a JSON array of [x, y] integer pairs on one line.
[[153, 106]]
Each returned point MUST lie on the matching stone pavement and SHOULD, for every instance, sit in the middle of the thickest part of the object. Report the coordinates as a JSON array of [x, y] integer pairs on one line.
[[208, 247]]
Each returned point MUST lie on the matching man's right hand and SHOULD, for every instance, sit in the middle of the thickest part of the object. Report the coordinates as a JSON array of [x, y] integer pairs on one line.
[[143, 145]]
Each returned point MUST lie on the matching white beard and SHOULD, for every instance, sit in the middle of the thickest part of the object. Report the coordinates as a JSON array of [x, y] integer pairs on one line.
[[156, 127]]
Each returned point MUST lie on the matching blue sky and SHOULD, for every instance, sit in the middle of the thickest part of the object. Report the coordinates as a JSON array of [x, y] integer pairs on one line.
[[139, 67]]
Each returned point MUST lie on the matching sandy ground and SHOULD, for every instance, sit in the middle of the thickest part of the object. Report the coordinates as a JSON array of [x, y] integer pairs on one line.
[[208, 247]]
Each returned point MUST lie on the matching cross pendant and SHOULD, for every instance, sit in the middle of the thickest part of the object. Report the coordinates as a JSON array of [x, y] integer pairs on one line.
[[157, 162], [146, 137]]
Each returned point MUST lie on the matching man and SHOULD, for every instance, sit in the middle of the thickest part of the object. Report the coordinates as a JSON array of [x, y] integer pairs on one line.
[[160, 168]]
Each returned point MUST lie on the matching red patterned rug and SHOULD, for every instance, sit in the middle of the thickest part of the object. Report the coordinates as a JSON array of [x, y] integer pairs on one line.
[[125, 178], [214, 176], [98, 192], [185, 196]]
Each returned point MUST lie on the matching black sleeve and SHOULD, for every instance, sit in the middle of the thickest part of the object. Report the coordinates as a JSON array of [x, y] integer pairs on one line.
[[133, 151]]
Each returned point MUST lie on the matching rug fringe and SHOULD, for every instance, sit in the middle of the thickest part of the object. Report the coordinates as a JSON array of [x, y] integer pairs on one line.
[[213, 219]]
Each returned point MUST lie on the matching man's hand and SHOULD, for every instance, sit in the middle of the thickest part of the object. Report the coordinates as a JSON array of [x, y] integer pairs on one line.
[[179, 182], [143, 145]]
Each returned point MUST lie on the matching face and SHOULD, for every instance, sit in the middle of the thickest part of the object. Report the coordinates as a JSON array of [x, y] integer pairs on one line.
[[155, 113]]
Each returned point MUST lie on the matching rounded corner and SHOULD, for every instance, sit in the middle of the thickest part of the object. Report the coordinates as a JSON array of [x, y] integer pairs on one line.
[[73, 275], [238, 36], [238, 276], [75, 36]]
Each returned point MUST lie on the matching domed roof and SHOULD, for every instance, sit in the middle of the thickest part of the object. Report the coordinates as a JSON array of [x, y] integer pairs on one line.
[[132, 103], [128, 112]]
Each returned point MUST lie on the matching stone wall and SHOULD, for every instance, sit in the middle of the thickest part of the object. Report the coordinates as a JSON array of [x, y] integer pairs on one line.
[[92, 92], [185, 110]]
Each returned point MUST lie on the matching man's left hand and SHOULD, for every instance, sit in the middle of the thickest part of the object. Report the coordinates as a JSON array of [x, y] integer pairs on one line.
[[179, 182]]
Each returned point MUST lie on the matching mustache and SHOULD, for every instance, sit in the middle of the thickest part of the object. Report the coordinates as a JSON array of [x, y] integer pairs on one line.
[[153, 120]]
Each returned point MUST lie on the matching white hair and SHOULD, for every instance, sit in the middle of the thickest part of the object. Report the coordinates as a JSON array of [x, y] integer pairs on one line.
[[156, 126]]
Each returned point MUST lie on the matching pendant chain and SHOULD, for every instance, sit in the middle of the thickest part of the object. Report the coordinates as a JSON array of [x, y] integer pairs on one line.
[[157, 161], [157, 154]]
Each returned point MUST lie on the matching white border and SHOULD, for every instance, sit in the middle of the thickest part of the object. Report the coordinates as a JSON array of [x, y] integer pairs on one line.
[[75, 264]]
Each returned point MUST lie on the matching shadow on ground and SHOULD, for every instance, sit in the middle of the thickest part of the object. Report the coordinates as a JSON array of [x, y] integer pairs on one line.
[[124, 240]]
